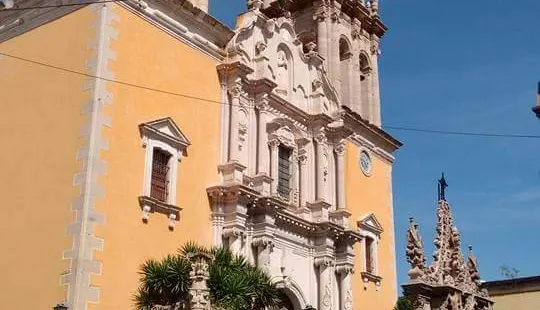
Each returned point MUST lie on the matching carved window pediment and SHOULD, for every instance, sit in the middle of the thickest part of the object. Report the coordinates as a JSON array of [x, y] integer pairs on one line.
[[166, 131], [371, 224]]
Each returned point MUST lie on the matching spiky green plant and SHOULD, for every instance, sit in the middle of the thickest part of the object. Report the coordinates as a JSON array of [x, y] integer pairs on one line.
[[234, 283]]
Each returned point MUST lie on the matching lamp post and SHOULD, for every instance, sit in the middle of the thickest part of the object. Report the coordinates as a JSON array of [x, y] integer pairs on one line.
[[61, 306]]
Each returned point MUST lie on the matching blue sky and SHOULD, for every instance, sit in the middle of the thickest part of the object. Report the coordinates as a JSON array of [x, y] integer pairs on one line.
[[462, 66]]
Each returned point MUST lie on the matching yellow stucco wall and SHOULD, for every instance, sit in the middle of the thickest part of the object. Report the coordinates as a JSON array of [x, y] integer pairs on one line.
[[523, 301], [39, 129], [150, 57], [366, 195]]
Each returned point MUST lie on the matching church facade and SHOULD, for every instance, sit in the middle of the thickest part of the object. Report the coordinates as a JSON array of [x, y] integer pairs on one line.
[[157, 125]]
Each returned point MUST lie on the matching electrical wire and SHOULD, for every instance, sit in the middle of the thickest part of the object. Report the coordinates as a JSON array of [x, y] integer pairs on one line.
[[461, 133], [399, 128], [58, 5]]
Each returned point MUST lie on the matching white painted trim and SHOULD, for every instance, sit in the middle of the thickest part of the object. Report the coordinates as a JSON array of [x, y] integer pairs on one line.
[[150, 141]]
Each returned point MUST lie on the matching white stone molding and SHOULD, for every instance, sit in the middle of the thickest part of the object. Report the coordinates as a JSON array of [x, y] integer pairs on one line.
[[184, 22], [345, 288], [81, 255], [322, 168], [370, 227], [235, 238], [217, 224], [339, 149], [163, 134]]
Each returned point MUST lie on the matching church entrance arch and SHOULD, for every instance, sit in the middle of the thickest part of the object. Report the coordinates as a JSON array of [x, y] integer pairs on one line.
[[291, 297]]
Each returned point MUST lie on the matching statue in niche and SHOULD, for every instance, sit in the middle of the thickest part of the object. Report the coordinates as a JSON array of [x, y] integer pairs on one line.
[[282, 75]]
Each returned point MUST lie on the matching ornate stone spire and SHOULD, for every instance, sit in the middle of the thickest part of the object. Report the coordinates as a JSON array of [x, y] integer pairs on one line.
[[456, 279], [415, 252]]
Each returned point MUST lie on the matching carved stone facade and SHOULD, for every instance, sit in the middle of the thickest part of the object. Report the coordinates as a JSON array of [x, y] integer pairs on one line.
[[450, 282], [296, 96]]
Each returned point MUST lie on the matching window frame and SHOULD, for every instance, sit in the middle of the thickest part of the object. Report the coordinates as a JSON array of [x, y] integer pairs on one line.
[[165, 135], [172, 174], [280, 186], [370, 228], [160, 180]]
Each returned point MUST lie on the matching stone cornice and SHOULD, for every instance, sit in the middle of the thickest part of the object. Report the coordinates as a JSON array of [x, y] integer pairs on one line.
[[15, 23], [178, 18], [234, 72], [373, 133], [259, 205], [184, 21]]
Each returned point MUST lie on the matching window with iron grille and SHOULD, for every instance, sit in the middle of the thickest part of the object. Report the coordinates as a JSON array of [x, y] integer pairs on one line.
[[284, 171], [159, 188], [370, 266]]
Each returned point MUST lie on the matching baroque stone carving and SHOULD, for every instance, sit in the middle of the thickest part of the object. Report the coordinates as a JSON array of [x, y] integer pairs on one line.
[[260, 47], [415, 252], [420, 302], [282, 75], [198, 292], [348, 300], [457, 279], [327, 297]]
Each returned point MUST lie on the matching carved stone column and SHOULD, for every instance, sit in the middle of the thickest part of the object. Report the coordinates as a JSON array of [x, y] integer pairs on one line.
[[325, 285], [264, 156], [303, 173], [322, 31], [235, 239], [333, 59], [295, 179], [375, 100], [340, 175], [322, 166], [345, 293], [234, 147], [217, 223], [356, 85], [274, 160], [264, 247]]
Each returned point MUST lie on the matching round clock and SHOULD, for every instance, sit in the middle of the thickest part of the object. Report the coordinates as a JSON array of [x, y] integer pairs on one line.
[[365, 163]]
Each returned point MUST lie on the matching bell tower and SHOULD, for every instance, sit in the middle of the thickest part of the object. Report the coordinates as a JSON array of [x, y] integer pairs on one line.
[[346, 34]]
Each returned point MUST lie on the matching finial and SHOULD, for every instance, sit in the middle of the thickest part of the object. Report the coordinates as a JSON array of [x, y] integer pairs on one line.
[[470, 247], [411, 219], [442, 188]]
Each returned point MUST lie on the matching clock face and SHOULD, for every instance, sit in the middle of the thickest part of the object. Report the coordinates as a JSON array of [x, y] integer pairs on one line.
[[365, 163]]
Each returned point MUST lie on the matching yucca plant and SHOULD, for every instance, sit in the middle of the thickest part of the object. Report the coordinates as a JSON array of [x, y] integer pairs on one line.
[[235, 284]]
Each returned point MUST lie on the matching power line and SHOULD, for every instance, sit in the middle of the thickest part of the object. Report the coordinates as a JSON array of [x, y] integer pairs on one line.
[[401, 128], [462, 133], [59, 5], [111, 80]]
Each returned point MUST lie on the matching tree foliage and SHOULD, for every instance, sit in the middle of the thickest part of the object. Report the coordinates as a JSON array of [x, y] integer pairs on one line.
[[234, 283], [403, 304]]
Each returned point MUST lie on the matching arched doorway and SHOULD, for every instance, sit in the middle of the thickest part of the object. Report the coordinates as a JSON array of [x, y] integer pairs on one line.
[[287, 303], [291, 298]]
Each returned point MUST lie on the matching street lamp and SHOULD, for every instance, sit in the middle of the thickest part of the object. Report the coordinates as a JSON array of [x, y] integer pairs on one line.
[[60, 307]]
